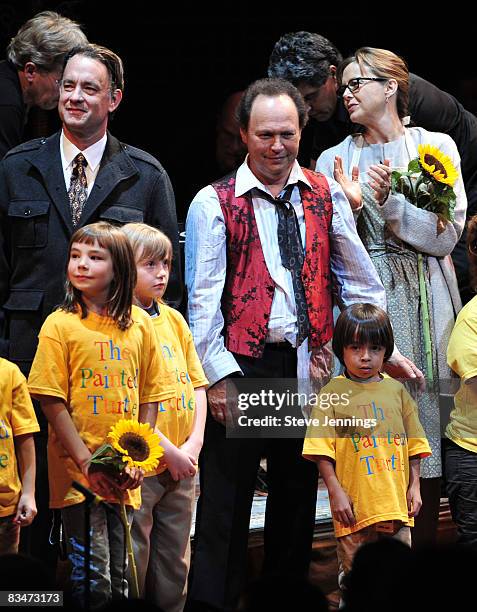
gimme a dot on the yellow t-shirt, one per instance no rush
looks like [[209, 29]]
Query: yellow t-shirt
[[371, 449], [17, 418], [103, 374], [184, 373], [462, 358]]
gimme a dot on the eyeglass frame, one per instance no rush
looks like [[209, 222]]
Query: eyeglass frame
[[355, 88]]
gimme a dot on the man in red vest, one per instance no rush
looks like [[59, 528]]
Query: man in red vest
[[266, 248]]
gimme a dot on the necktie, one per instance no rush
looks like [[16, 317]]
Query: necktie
[[78, 191], [292, 256]]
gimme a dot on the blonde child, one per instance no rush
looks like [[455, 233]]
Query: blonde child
[[17, 457], [161, 528], [96, 363], [367, 440]]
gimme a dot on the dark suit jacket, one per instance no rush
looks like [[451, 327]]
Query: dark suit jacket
[[35, 228], [12, 108]]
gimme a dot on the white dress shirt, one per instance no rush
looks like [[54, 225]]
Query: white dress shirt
[[282, 324], [92, 154], [355, 277]]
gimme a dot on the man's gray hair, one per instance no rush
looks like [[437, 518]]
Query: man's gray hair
[[45, 40]]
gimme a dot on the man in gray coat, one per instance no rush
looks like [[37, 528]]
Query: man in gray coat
[[51, 187]]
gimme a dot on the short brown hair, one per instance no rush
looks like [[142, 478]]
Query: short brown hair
[[109, 59], [363, 324], [120, 294], [385, 64], [271, 88]]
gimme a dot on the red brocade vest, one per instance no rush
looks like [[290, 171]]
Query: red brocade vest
[[249, 288]]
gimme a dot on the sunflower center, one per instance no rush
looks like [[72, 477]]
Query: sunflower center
[[135, 445], [432, 161]]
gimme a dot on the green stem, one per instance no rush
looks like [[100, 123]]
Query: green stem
[[129, 544], [425, 318]]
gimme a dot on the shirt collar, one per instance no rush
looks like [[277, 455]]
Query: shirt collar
[[246, 180], [93, 153]]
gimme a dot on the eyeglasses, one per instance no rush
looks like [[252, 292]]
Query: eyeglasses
[[354, 84]]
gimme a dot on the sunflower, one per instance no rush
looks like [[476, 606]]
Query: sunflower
[[437, 164], [137, 443]]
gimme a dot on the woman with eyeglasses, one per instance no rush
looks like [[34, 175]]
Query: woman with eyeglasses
[[374, 86]]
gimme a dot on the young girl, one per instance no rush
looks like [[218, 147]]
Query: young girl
[[461, 432], [96, 363], [17, 457], [369, 442], [161, 528]]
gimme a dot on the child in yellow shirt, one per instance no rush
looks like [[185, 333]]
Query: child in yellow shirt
[[161, 528], [17, 457], [366, 438], [461, 432], [96, 363]]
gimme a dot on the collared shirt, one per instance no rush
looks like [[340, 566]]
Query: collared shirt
[[282, 323], [354, 275], [93, 156]]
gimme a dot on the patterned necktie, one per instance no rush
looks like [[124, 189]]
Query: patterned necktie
[[78, 191], [292, 256]]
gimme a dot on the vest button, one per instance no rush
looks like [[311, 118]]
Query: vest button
[[27, 212]]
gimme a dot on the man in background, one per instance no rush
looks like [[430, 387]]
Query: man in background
[[30, 75]]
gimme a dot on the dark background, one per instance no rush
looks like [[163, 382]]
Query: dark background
[[181, 66]]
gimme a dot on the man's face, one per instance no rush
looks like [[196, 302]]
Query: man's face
[[229, 148], [272, 137], [86, 98], [320, 101], [43, 87]]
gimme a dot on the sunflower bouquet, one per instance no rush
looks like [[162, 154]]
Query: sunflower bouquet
[[129, 444], [428, 184]]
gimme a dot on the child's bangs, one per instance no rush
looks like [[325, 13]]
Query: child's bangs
[[368, 332], [154, 248], [148, 243], [91, 234]]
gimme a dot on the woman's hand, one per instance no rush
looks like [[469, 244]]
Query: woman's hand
[[380, 175], [350, 187]]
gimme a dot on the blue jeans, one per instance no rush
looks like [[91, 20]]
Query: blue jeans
[[108, 557], [461, 477]]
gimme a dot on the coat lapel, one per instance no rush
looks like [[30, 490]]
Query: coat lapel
[[47, 160], [116, 166]]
